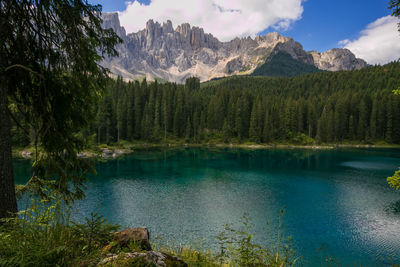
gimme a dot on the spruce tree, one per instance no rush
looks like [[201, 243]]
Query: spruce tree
[[49, 69]]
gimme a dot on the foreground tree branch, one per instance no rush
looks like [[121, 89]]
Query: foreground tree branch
[[49, 70]]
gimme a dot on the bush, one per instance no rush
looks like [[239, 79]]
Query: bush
[[303, 139]]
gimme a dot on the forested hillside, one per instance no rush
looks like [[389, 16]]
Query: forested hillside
[[283, 65], [325, 107]]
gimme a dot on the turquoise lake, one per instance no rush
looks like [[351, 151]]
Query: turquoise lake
[[337, 203]]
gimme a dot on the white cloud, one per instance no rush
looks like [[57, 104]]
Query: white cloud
[[344, 42], [225, 19], [379, 42]]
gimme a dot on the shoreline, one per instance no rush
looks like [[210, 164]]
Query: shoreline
[[105, 152]]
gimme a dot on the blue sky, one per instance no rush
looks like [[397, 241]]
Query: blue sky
[[316, 24], [325, 22]]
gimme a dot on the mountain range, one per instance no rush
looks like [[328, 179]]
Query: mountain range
[[161, 52]]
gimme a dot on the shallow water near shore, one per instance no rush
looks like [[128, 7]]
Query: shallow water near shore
[[337, 203]]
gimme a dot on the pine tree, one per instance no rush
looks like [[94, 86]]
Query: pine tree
[[226, 131], [138, 108], [373, 120], [322, 130], [362, 121], [389, 121], [341, 118], [188, 131], [268, 128], [130, 120], [239, 123], [351, 132], [255, 127], [157, 123], [177, 121]]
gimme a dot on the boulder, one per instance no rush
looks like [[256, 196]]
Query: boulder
[[26, 154], [117, 153], [148, 258], [132, 235], [107, 153]]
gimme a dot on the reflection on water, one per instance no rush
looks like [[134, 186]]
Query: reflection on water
[[338, 204], [371, 165], [394, 208]]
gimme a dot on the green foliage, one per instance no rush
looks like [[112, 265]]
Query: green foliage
[[394, 181], [44, 235], [94, 233], [282, 64], [303, 139], [50, 69], [122, 261], [394, 5], [238, 248]]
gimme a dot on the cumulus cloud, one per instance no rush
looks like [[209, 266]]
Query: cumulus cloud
[[379, 42], [225, 19]]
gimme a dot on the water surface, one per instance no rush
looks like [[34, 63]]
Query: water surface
[[337, 202]]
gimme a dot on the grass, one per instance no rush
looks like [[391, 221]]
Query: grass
[[45, 235], [236, 247]]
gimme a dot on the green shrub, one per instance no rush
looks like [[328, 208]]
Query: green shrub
[[303, 139]]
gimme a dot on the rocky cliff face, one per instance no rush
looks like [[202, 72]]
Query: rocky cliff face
[[337, 59], [160, 51]]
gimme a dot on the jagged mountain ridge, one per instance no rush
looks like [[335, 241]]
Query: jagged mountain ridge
[[160, 51]]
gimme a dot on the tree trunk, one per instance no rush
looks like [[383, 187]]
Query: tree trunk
[[8, 202]]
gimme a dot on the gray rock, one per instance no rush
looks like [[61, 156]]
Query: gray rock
[[148, 258], [337, 59], [26, 154], [106, 153], [139, 235], [173, 55]]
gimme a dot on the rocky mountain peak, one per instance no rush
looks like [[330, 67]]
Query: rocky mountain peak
[[111, 20], [167, 27], [160, 51], [337, 59]]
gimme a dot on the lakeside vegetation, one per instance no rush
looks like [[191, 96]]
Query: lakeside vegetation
[[45, 235]]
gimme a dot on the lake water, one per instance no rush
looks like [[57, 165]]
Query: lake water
[[337, 203]]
